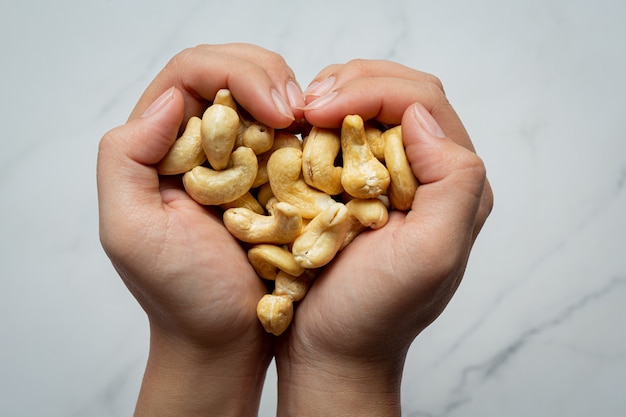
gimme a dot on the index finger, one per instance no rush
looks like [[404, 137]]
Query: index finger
[[385, 99], [259, 85]]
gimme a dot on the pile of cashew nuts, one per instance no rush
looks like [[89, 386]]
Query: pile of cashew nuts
[[293, 203]]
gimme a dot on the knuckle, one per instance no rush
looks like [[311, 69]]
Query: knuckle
[[434, 81], [276, 59], [359, 65], [473, 165], [107, 140], [472, 173], [183, 56]]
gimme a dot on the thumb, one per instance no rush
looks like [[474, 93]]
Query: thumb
[[147, 138], [126, 155], [451, 179]]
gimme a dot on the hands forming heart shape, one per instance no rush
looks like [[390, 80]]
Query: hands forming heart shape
[[193, 278]]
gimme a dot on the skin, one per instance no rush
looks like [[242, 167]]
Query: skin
[[208, 352], [420, 255]]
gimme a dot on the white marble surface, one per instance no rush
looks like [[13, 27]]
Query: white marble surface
[[538, 326]]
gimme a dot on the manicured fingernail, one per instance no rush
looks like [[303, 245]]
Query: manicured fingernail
[[159, 103], [321, 102], [281, 105], [320, 88], [427, 121], [294, 95]]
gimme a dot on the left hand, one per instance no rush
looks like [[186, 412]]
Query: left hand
[[191, 277]]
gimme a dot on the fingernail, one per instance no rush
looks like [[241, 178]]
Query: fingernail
[[294, 95], [159, 103], [320, 88], [427, 121], [321, 102], [281, 105]]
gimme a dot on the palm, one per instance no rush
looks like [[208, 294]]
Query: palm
[[378, 272], [205, 282]]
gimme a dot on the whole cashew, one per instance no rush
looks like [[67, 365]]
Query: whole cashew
[[210, 187], [186, 153], [355, 228], [281, 140], [375, 141], [403, 184], [275, 312], [264, 194], [292, 286], [257, 136], [370, 213], [319, 150], [363, 175], [268, 259], [322, 238], [261, 176], [284, 169], [245, 201], [220, 125], [281, 227], [225, 98]]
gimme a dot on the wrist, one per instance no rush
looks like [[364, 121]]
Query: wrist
[[186, 380], [339, 388]]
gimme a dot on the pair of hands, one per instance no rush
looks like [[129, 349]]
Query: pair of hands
[[345, 350]]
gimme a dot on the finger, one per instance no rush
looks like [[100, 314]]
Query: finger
[[275, 66], [385, 100], [452, 182], [273, 63], [126, 177], [336, 75], [382, 90], [260, 85], [485, 208]]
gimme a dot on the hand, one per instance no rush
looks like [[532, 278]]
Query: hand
[[344, 352], [193, 279]]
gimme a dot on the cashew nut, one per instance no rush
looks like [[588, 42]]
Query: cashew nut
[[210, 187], [225, 98], [288, 198], [375, 141], [264, 194], [370, 213], [268, 259], [220, 124], [283, 139], [284, 169], [275, 312], [319, 151], [258, 136], [281, 227], [403, 184], [245, 201], [261, 175], [186, 153], [363, 176], [270, 204], [364, 214], [321, 239], [292, 286], [355, 228]]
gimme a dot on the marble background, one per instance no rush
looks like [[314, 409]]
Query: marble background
[[538, 326]]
